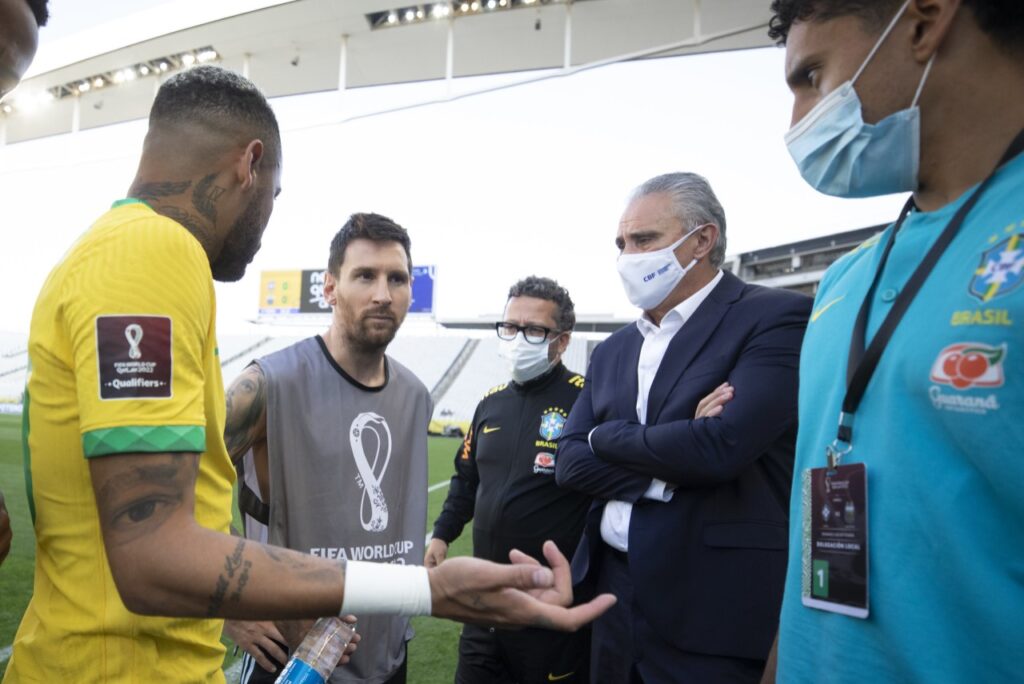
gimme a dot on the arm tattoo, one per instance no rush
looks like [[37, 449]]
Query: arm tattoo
[[139, 499], [246, 411], [205, 196], [235, 564]]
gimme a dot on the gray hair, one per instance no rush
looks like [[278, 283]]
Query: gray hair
[[693, 202], [548, 289]]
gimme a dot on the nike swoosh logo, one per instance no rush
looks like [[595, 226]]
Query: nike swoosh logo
[[489, 430], [817, 314], [555, 678]]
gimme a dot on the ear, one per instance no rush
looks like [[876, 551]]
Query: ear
[[933, 20], [330, 289], [248, 166], [563, 342], [707, 238]]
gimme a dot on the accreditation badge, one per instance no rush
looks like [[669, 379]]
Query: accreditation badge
[[835, 539]]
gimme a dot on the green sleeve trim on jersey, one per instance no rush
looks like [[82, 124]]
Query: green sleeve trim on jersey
[[126, 201], [145, 438]]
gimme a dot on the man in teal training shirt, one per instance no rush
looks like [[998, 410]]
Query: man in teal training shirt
[[906, 559]]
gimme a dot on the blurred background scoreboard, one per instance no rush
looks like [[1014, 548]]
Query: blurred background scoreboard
[[302, 292]]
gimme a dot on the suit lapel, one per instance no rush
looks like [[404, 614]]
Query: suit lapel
[[690, 339], [626, 373]]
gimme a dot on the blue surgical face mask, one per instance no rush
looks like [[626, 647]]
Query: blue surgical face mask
[[838, 154]]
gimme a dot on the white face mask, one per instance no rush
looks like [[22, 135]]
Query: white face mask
[[649, 277], [525, 361]]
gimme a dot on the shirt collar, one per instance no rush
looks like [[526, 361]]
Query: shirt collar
[[679, 314]]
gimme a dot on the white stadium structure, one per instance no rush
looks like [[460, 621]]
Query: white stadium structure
[[324, 47]]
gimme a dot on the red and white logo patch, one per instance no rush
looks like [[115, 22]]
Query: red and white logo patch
[[970, 364], [544, 463]]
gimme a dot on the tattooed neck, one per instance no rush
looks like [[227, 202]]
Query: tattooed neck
[[197, 213]]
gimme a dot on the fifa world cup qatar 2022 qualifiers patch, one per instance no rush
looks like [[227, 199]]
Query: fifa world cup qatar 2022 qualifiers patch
[[134, 355]]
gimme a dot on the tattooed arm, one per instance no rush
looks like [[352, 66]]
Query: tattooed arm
[[246, 422], [164, 563]]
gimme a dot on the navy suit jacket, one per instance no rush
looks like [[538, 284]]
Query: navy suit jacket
[[707, 566]]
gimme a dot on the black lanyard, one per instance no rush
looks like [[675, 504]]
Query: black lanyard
[[862, 362]]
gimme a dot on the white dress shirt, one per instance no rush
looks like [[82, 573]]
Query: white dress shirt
[[615, 519]]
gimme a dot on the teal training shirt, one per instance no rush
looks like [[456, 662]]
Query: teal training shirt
[[941, 431]]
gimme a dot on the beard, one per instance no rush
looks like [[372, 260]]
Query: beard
[[240, 246], [370, 333]]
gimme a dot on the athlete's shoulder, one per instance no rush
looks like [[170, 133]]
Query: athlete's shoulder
[[574, 379], [405, 378], [497, 389]]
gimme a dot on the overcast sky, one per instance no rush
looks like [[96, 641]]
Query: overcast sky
[[493, 187]]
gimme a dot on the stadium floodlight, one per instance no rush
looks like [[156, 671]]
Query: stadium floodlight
[[126, 74], [413, 14]]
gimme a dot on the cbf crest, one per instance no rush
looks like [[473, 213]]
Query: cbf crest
[[552, 423], [1001, 270]]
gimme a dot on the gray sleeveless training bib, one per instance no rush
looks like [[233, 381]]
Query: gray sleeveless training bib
[[348, 477]]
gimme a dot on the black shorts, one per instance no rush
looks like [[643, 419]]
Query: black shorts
[[252, 673], [528, 656]]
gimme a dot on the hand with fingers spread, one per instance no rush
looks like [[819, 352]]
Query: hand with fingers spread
[[713, 404], [523, 594]]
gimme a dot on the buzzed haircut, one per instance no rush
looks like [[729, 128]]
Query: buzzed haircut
[[218, 99], [366, 227], [40, 10], [548, 290], [1003, 20]]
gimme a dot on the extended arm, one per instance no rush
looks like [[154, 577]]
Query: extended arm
[[576, 466], [705, 451], [164, 563]]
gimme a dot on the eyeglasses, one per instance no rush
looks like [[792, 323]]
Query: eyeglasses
[[534, 334]]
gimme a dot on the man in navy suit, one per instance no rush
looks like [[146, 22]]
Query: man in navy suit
[[684, 435]]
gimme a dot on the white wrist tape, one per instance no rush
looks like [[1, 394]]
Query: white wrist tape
[[385, 589]]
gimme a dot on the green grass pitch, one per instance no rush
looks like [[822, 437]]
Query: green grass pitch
[[432, 654]]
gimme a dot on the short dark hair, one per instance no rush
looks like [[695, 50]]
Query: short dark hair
[[367, 227], [218, 99], [1001, 19], [548, 290], [40, 10]]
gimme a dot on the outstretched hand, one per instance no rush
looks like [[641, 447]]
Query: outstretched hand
[[523, 594]]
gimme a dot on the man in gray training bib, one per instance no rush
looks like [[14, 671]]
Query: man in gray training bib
[[330, 436]]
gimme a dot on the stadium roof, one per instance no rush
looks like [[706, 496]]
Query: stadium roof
[[110, 73]]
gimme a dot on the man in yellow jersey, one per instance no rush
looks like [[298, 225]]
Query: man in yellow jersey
[[20, 21], [129, 480]]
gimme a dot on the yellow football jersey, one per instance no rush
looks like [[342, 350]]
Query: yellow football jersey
[[124, 359]]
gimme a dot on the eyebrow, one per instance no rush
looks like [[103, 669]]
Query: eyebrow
[[797, 74]]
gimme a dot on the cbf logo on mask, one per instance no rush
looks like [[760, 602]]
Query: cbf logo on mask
[[649, 277]]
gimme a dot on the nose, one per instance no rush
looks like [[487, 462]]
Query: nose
[[382, 293]]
